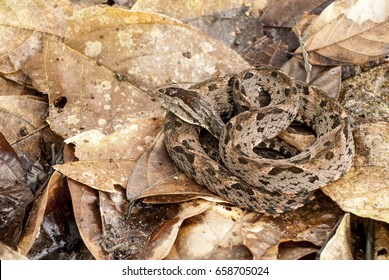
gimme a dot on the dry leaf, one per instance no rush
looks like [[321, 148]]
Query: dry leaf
[[364, 191], [107, 160], [237, 28], [35, 219], [284, 13], [15, 196], [215, 234], [87, 215], [192, 8], [6, 253], [21, 119], [267, 52], [102, 175], [8, 87], [144, 48], [263, 235], [21, 26], [127, 143], [84, 95], [149, 233], [156, 178], [381, 241], [349, 32], [92, 77], [327, 79], [162, 241], [339, 246], [153, 166], [367, 94]]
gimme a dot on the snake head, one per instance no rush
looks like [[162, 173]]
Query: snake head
[[191, 107]]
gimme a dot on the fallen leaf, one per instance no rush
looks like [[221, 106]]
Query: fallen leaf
[[105, 161], [15, 197], [6, 253], [22, 122], [160, 60], [364, 191], [264, 235], [215, 234], [8, 87], [266, 52], [84, 95], [127, 143], [102, 175], [87, 215], [189, 9], [327, 79], [352, 32], [339, 246], [35, 219], [381, 241], [162, 240], [237, 27], [285, 13], [155, 178], [21, 26], [366, 95], [93, 78], [57, 237]]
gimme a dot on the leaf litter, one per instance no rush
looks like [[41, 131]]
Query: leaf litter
[[99, 79]]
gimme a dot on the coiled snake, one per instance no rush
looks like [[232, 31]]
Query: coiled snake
[[244, 112]]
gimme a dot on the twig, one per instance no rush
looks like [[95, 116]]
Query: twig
[[307, 65], [369, 254]]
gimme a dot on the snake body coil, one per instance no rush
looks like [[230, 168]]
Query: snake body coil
[[245, 111]]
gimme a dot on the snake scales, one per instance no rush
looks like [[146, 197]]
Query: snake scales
[[245, 111]]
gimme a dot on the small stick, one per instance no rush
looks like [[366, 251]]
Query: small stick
[[369, 254]]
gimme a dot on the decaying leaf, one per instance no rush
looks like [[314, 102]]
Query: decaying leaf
[[266, 51], [381, 241], [237, 28], [87, 215], [36, 216], [366, 95], [364, 191], [126, 143], [162, 240], [215, 234], [21, 121], [189, 9], [156, 179], [338, 247], [263, 235], [8, 87], [15, 195], [284, 13], [93, 78], [102, 175], [150, 230], [57, 233], [327, 79], [21, 26], [349, 32], [105, 161], [6, 253]]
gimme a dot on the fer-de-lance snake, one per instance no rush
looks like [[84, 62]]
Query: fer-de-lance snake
[[245, 111]]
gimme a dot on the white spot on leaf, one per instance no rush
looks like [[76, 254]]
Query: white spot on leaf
[[101, 122], [93, 49]]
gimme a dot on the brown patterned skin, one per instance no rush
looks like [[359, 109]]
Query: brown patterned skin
[[262, 102]]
